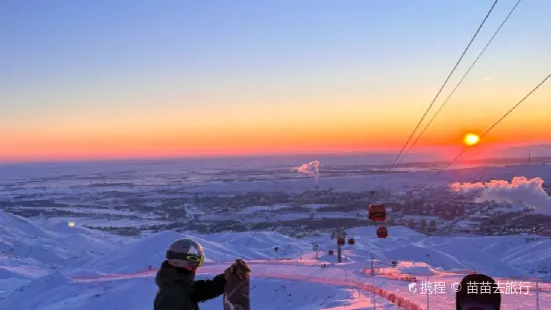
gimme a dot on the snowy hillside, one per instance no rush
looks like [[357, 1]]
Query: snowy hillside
[[117, 275], [59, 244]]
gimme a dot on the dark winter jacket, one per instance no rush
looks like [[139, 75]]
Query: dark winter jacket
[[178, 289]]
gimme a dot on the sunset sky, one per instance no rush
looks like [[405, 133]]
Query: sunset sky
[[106, 79]]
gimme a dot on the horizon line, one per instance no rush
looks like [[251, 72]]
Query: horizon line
[[196, 157], [244, 156]]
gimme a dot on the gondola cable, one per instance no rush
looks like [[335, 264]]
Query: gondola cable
[[392, 166], [460, 81], [490, 128]]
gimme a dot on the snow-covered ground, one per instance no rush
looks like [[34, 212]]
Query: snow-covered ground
[[47, 264], [62, 267]]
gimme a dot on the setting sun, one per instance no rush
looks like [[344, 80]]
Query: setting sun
[[471, 139]]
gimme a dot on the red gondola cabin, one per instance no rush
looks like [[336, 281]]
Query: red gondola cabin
[[382, 232], [330, 253], [341, 241], [351, 241], [377, 213]]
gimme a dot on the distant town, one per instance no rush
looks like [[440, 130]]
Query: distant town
[[430, 211]]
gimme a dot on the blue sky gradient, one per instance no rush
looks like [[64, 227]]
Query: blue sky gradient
[[71, 60]]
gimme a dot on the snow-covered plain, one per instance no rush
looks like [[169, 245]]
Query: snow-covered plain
[[47, 264]]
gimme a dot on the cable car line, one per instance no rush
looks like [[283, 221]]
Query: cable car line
[[461, 81], [491, 127], [441, 88]]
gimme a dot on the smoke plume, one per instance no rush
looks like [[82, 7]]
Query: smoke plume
[[311, 169], [519, 191]]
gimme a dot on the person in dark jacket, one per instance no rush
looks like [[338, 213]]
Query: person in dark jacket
[[478, 292], [177, 287]]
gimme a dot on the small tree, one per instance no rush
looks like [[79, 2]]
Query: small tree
[[423, 224], [432, 225], [411, 223]]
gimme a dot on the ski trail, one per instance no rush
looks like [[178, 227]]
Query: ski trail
[[396, 299], [279, 271]]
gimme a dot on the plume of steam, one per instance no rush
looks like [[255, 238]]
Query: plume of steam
[[520, 190], [311, 169]]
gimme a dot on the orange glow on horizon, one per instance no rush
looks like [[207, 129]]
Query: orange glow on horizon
[[139, 151], [227, 140]]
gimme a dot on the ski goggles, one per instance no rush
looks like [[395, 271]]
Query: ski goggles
[[195, 259]]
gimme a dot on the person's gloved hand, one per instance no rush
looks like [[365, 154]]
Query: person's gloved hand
[[240, 268]]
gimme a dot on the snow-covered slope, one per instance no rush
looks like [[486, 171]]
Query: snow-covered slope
[[29, 251], [59, 244], [54, 292], [141, 253], [118, 277]]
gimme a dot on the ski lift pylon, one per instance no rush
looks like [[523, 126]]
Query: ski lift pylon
[[377, 212], [382, 232]]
